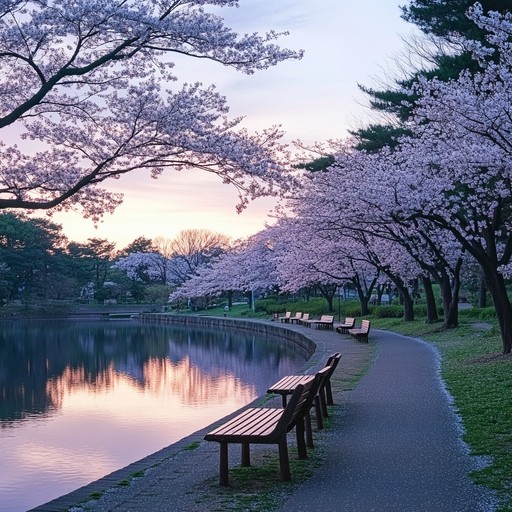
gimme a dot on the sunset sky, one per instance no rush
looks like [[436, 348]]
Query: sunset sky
[[313, 99]]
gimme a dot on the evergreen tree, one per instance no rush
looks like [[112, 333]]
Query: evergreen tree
[[447, 21]]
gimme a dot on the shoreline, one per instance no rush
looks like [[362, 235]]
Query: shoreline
[[289, 334]]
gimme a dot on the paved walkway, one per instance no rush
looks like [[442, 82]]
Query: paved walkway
[[395, 446]]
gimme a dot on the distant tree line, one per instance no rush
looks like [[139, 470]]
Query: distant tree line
[[38, 262]]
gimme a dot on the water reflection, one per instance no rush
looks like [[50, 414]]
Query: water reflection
[[81, 400]]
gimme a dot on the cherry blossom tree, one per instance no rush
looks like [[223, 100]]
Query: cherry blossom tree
[[144, 267], [247, 266], [86, 97], [346, 211], [305, 261], [456, 169]]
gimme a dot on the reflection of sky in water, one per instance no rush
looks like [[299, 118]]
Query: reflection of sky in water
[[87, 400]]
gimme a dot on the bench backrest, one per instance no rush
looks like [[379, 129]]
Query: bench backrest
[[298, 315], [293, 406], [350, 321], [305, 316], [365, 324], [327, 318], [308, 395], [332, 361]]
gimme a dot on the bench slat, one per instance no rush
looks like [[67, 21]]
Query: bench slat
[[288, 384], [324, 321], [251, 422]]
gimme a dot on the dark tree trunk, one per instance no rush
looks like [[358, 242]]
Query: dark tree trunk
[[450, 305], [380, 292], [450, 289], [408, 307], [482, 293], [405, 298], [363, 302], [496, 286], [430, 299], [328, 292], [363, 296]]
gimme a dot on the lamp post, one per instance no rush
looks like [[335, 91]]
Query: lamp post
[[339, 304]]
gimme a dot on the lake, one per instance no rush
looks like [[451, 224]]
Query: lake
[[79, 400]]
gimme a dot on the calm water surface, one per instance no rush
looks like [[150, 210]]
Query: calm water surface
[[80, 400]]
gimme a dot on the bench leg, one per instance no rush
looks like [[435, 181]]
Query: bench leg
[[246, 454], [328, 393], [309, 431], [323, 404], [284, 462], [223, 465], [301, 443], [318, 414]]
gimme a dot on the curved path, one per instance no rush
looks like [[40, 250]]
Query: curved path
[[395, 446]]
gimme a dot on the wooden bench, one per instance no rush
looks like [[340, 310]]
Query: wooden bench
[[361, 334], [265, 425], [349, 323], [304, 319], [286, 317], [286, 386], [325, 322], [296, 318]]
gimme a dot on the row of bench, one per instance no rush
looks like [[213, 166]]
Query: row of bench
[[267, 425], [327, 322]]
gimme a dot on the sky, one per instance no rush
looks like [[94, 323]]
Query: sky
[[346, 43]]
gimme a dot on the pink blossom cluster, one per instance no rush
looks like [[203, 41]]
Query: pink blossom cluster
[[88, 94]]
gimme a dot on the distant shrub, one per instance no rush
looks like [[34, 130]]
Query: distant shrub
[[387, 311], [479, 313], [266, 306], [487, 313], [351, 309], [315, 307]]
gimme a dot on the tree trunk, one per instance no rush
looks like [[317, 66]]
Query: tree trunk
[[380, 292], [482, 293], [408, 307], [363, 296], [450, 294], [432, 315], [450, 305], [405, 298], [328, 292], [496, 286]]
